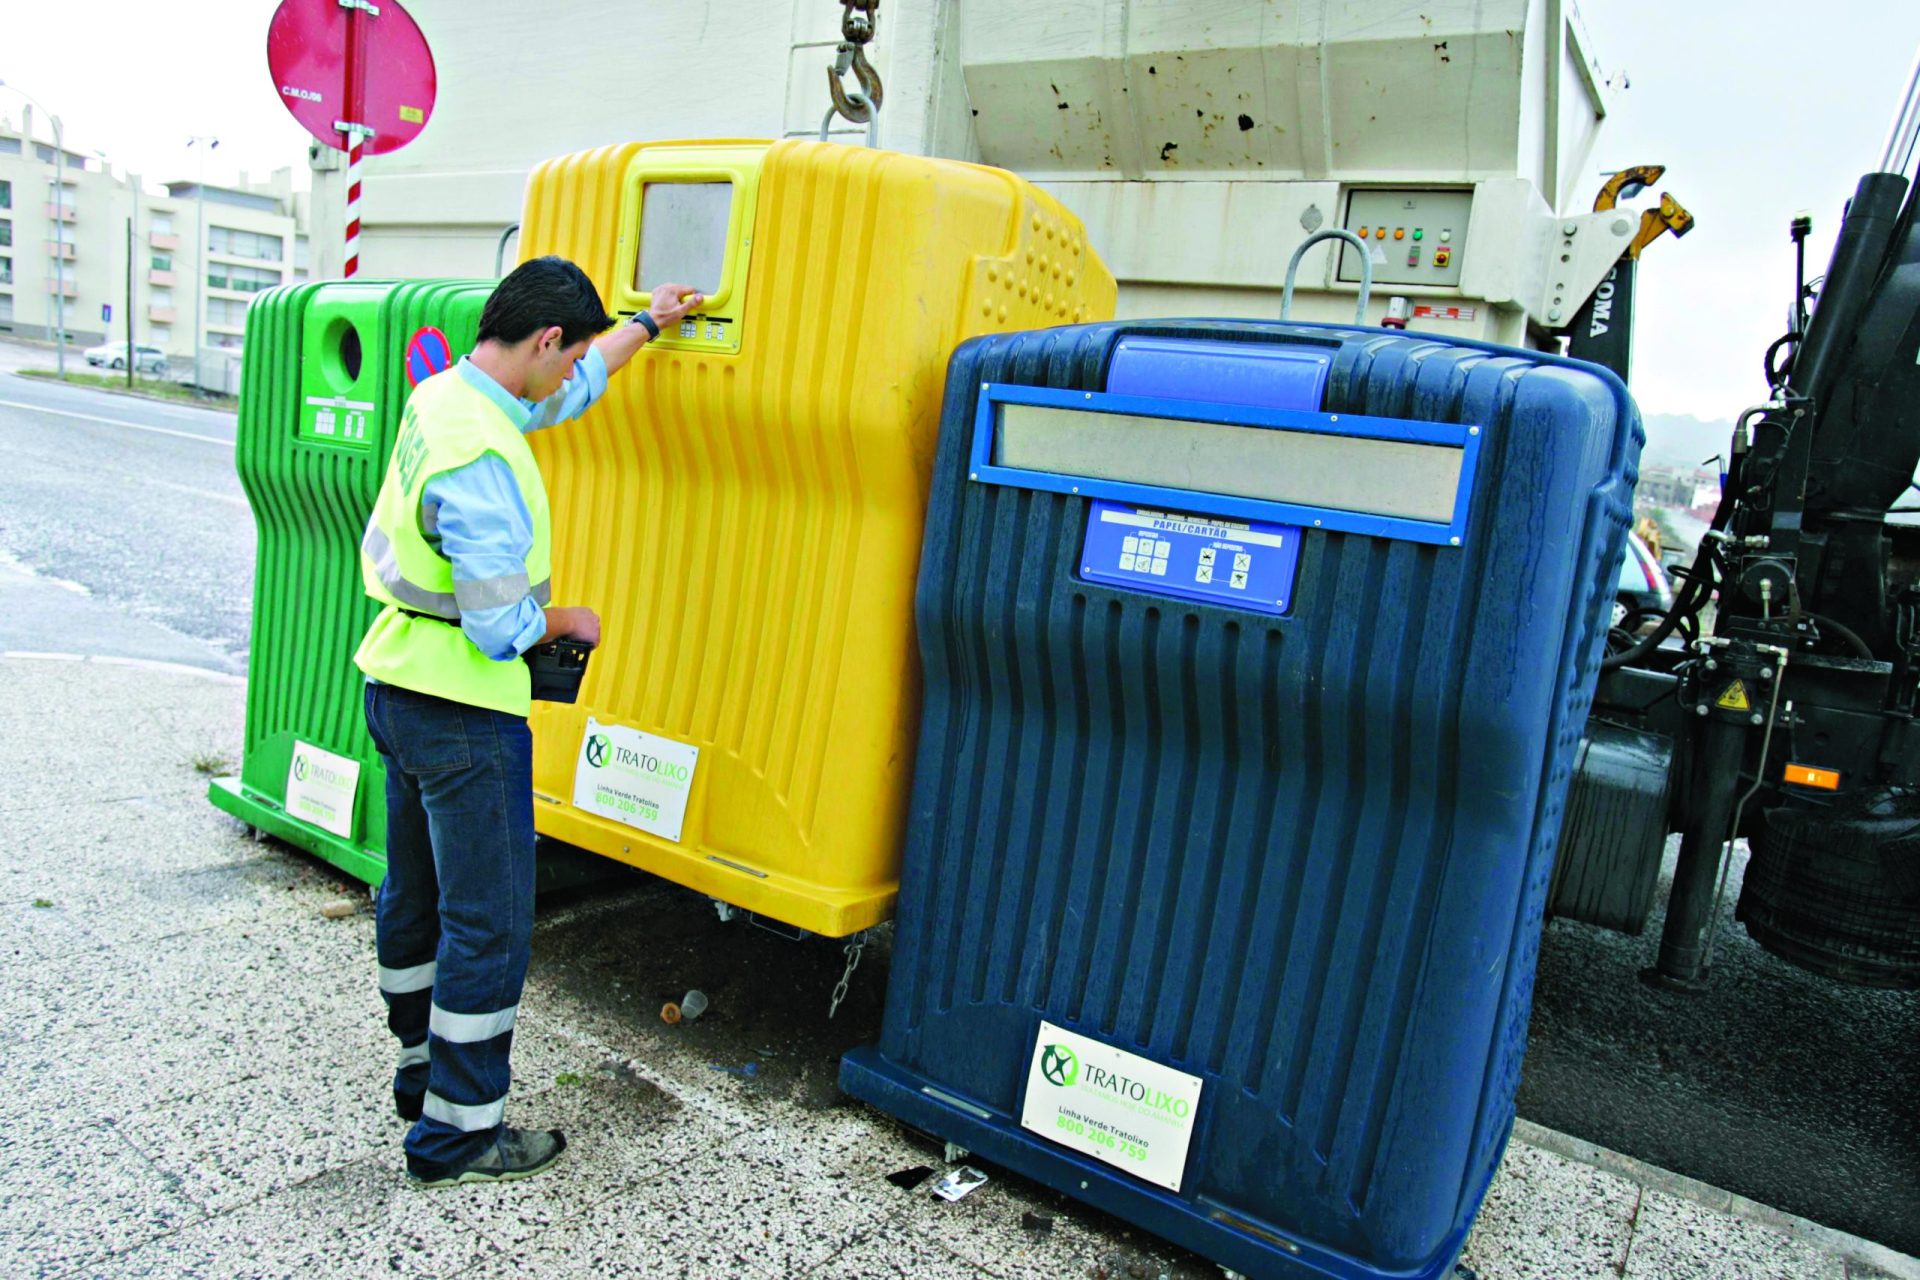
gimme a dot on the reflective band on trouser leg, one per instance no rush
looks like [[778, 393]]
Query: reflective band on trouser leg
[[400, 982], [490, 593], [485, 1115], [379, 548], [414, 1055], [471, 1028]]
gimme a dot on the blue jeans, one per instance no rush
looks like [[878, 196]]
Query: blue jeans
[[455, 920]]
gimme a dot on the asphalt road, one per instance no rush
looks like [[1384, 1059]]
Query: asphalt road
[[123, 528], [123, 531], [1774, 1084]]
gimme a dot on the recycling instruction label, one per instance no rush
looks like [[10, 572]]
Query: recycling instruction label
[[637, 778], [320, 787], [1118, 1107]]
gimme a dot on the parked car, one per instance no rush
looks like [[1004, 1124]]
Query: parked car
[[113, 355], [1642, 589]]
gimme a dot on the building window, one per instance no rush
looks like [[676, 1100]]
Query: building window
[[225, 341], [245, 244], [160, 222], [6, 306], [6, 194], [6, 232], [227, 313], [6, 270], [240, 279], [160, 297], [163, 262], [302, 253], [158, 335]]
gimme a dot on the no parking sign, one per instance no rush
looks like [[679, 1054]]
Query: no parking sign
[[428, 352]]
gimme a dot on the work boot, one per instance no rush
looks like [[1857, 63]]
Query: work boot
[[516, 1153]]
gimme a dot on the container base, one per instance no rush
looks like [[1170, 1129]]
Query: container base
[[1256, 1250]]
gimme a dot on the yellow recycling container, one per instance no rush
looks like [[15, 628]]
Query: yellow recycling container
[[745, 505]]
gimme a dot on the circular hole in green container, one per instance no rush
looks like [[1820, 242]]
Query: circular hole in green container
[[340, 354], [350, 352]]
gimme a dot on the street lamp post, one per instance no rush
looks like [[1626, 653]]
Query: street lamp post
[[59, 232], [202, 241]]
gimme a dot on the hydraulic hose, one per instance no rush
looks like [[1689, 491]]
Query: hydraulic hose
[[1850, 636], [1700, 580]]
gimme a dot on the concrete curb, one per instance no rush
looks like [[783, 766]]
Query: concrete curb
[[226, 404], [1852, 1248]]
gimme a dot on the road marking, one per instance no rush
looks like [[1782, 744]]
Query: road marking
[[189, 490], [115, 422]]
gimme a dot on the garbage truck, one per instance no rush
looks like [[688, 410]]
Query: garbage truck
[[1787, 719]]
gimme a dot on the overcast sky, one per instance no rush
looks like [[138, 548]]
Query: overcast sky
[[1757, 107]]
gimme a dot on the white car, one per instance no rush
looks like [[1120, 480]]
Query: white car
[[113, 355]]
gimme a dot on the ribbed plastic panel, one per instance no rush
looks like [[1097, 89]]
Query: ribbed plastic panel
[[310, 501], [1304, 858], [749, 524]]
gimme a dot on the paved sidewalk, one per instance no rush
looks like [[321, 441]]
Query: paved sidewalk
[[195, 1066]]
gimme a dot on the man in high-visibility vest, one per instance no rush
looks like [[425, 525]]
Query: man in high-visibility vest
[[458, 552]]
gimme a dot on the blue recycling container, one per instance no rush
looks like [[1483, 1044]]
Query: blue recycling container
[[1256, 657]]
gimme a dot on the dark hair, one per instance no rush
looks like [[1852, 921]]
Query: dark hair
[[539, 294]]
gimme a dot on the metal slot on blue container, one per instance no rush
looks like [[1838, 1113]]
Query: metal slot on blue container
[[1353, 473]]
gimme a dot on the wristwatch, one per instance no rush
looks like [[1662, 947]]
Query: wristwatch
[[646, 322]]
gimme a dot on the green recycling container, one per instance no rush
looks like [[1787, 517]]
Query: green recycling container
[[324, 380]]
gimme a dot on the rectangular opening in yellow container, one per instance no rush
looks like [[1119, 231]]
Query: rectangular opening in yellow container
[[686, 217]]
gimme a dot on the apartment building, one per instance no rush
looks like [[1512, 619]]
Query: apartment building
[[40, 223], [198, 254], [209, 250]]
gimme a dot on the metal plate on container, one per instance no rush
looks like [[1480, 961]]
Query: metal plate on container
[[1241, 564]]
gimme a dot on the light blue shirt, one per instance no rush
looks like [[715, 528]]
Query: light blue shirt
[[484, 527]]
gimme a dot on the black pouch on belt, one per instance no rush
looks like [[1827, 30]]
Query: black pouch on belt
[[558, 667]]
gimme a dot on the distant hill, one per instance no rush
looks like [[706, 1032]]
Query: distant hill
[[1681, 440]]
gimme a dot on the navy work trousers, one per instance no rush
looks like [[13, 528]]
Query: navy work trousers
[[455, 919]]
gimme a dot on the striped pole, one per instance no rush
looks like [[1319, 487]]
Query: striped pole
[[355, 142]]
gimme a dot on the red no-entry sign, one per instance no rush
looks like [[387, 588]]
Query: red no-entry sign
[[357, 75], [352, 62]]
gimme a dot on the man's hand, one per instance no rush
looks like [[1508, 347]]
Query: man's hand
[[671, 302], [572, 622]]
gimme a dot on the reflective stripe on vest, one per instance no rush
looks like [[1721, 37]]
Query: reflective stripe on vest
[[483, 593]]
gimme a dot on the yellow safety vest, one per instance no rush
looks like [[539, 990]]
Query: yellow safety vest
[[447, 425]]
